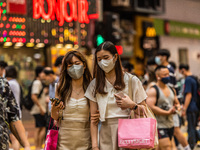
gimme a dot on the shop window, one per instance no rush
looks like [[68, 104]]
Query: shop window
[[183, 56]]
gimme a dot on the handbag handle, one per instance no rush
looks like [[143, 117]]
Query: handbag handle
[[130, 94], [53, 124], [144, 113]]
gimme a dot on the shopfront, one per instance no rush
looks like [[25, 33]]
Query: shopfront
[[182, 39], [35, 32], [146, 42]]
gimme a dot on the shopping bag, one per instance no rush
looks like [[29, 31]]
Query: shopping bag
[[51, 138], [136, 133], [149, 113]]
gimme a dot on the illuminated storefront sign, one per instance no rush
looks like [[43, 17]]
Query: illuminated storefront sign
[[16, 7], [150, 32], [58, 9], [49, 22]]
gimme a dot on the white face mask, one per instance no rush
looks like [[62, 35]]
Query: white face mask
[[76, 71], [106, 65], [157, 60]]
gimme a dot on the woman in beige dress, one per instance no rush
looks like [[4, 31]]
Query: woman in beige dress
[[102, 93], [74, 132]]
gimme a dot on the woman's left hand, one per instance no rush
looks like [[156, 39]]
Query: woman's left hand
[[95, 118], [124, 102]]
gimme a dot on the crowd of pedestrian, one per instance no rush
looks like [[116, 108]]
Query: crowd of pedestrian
[[88, 103], [163, 90]]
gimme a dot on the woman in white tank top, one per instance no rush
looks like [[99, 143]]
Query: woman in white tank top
[[74, 132]]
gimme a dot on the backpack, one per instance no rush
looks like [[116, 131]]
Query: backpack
[[158, 93], [198, 91], [27, 101]]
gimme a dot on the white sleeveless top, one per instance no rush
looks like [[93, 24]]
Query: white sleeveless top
[[76, 110]]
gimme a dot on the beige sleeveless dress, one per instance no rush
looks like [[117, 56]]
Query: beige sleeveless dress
[[74, 132]]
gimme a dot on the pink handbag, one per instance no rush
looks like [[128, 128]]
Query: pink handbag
[[51, 139], [136, 133]]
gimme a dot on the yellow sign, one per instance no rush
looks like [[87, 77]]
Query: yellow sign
[[150, 32]]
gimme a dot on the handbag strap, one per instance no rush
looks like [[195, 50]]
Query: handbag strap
[[144, 112], [51, 119], [130, 86], [130, 94]]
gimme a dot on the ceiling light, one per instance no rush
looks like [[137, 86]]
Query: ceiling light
[[40, 45], [68, 46], [76, 46], [30, 45], [58, 46], [19, 44], [7, 44]]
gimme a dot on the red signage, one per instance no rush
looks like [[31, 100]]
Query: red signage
[[119, 49], [16, 7], [58, 9]]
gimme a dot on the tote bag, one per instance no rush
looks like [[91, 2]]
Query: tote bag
[[136, 133], [52, 138], [149, 112]]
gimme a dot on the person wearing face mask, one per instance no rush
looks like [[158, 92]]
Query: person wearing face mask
[[51, 79], [109, 79], [58, 64], [163, 101], [190, 108], [150, 76], [74, 131], [162, 58]]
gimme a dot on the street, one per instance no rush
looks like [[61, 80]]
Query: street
[[29, 124]]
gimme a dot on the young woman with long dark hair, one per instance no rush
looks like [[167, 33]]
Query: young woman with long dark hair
[[74, 132], [102, 93]]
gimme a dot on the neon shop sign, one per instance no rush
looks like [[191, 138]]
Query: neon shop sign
[[58, 9]]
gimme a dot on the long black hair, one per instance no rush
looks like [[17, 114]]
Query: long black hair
[[64, 89], [99, 73]]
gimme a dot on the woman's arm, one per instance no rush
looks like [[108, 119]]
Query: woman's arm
[[93, 127]]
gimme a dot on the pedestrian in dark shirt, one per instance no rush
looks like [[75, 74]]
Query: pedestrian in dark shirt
[[52, 79], [9, 117], [162, 58], [190, 108]]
